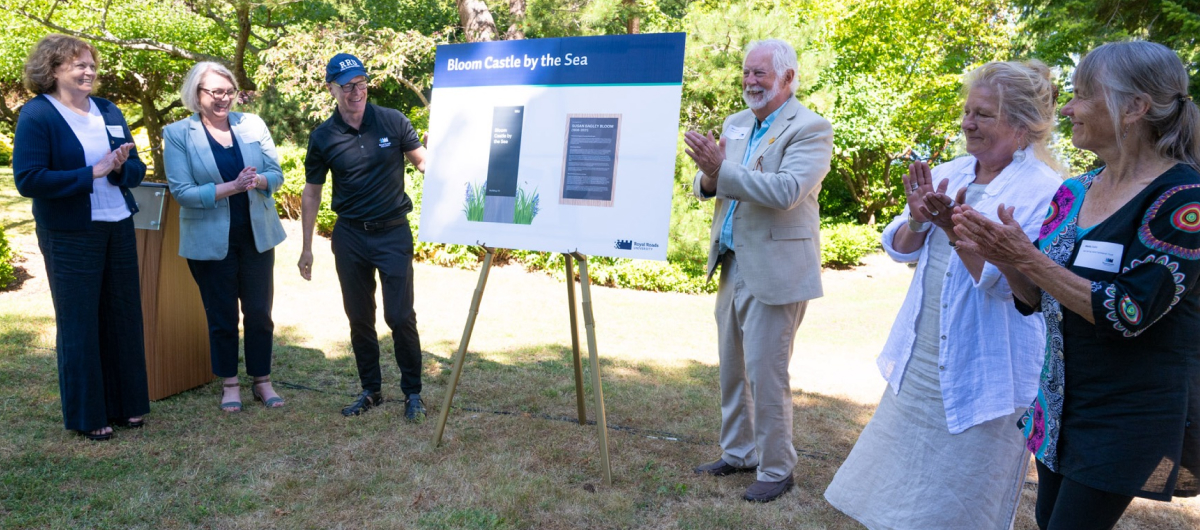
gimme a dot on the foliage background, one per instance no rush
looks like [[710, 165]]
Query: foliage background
[[886, 73]]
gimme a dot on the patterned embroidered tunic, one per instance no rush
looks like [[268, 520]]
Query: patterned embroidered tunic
[[1119, 400]]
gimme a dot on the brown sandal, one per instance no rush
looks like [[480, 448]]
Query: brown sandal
[[231, 406], [271, 403]]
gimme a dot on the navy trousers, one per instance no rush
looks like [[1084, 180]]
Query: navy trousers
[[246, 276], [94, 282], [358, 254]]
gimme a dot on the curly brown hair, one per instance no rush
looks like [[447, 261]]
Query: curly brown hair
[[47, 55]]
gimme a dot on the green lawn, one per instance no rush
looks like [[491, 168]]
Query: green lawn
[[511, 457]]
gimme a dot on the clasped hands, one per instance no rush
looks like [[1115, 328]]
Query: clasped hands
[[708, 153], [246, 180], [111, 161]]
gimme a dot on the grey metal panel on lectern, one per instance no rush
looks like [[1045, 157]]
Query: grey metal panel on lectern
[[150, 198]]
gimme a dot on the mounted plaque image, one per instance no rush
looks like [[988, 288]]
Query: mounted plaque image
[[504, 159], [590, 159]]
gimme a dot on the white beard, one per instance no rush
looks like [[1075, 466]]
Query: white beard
[[758, 101]]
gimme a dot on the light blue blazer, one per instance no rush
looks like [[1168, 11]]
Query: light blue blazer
[[193, 177]]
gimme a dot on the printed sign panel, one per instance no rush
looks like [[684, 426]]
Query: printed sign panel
[[556, 145]]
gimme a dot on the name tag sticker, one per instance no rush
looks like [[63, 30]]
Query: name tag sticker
[[247, 139], [115, 131], [1099, 255], [736, 133]]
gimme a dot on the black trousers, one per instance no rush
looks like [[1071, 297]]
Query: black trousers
[[358, 254], [94, 283], [1063, 504], [245, 276]]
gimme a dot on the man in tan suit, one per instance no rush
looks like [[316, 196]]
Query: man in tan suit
[[765, 173]]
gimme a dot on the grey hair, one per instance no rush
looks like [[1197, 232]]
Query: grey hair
[[783, 58], [1027, 98], [190, 92], [1122, 71]]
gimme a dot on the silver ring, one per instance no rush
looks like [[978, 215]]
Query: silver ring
[[934, 213], [914, 188]]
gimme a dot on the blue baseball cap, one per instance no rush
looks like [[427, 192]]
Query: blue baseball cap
[[343, 67]]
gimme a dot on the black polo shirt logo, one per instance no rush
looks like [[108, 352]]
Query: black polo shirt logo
[[384, 142]]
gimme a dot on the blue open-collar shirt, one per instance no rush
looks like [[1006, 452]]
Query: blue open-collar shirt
[[756, 135]]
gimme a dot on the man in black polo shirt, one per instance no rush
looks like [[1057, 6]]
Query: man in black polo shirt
[[365, 146]]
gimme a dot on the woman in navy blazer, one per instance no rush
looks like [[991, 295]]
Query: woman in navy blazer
[[74, 156], [223, 169]]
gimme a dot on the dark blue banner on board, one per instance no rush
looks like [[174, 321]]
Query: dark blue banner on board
[[610, 60]]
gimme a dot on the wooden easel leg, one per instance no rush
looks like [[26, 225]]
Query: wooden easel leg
[[462, 346], [578, 362], [597, 389]]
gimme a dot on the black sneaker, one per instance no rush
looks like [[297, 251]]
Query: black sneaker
[[414, 408], [365, 401]]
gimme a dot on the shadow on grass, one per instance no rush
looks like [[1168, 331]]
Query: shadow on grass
[[20, 333], [306, 466], [678, 400], [16, 224]]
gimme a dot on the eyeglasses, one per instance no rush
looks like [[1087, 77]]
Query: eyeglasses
[[220, 94], [351, 87]]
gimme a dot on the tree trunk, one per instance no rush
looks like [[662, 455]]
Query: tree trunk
[[516, 9], [243, 39], [632, 23], [477, 22], [152, 121]]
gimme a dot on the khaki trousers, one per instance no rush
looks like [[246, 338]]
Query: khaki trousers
[[755, 345]]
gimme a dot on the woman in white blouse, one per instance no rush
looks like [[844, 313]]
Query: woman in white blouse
[[73, 154], [942, 450]]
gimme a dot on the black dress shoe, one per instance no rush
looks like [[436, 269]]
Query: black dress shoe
[[365, 401], [721, 468], [764, 491], [414, 408]]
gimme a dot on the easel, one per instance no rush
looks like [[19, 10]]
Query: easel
[[590, 326]]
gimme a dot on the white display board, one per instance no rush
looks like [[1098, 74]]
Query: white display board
[[559, 145]]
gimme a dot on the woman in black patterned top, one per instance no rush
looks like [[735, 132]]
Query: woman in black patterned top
[[1114, 274]]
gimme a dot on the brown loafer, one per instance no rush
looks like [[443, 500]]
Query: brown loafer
[[763, 491], [721, 468]]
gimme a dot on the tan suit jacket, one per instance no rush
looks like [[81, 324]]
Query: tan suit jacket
[[776, 227]]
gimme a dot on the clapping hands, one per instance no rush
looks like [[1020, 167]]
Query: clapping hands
[[927, 203], [112, 161]]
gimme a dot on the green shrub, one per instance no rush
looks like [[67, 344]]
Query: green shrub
[[843, 245], [618, 272], [6, 149], [288, 198], [8, 273]]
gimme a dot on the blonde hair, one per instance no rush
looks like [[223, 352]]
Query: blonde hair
[[47, 55], [189, 93], [1122, 71], [1027, 99]]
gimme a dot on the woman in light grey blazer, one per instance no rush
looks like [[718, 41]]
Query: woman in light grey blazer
[[222, 168]]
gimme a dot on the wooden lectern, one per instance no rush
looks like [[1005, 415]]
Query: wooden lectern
[[175, 327]]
